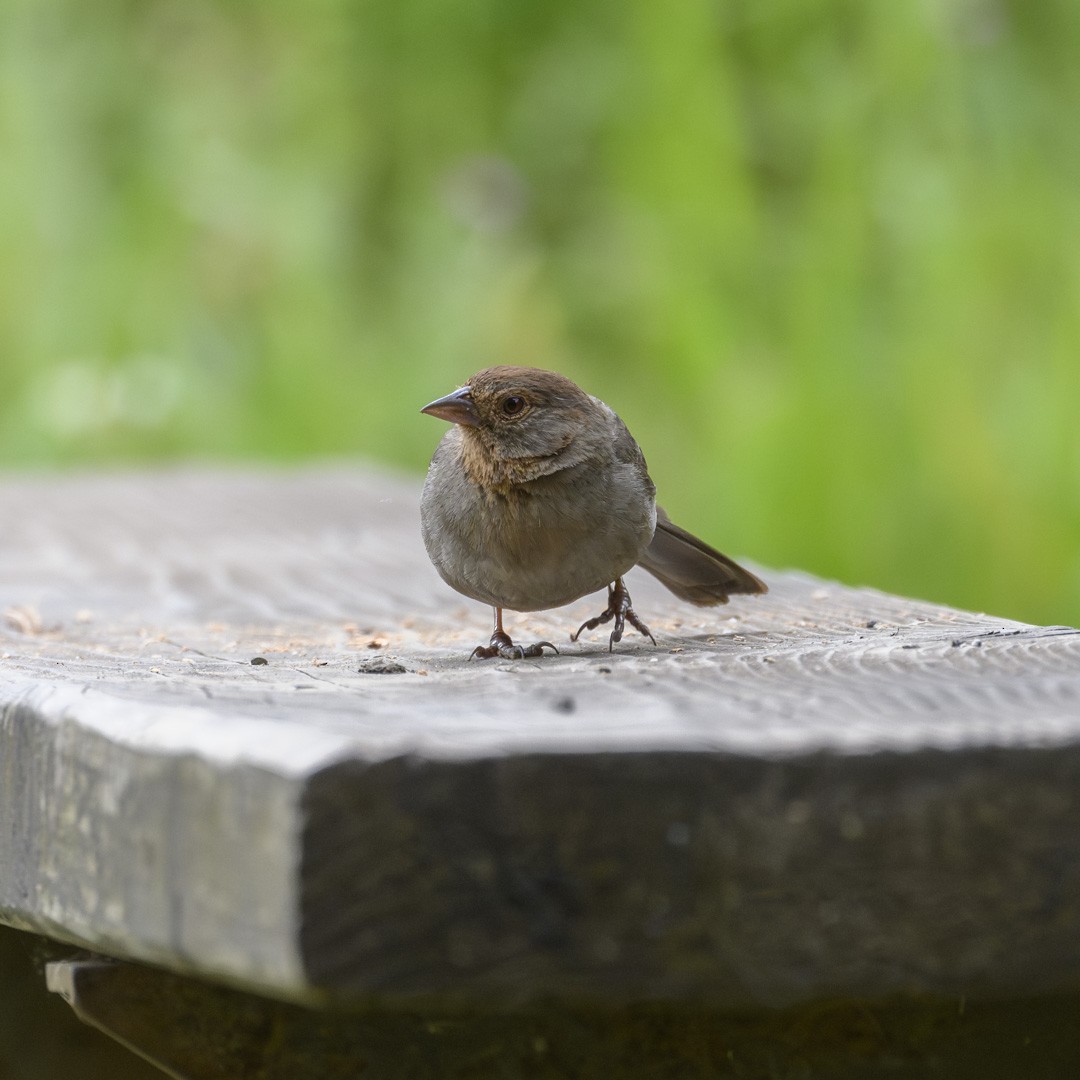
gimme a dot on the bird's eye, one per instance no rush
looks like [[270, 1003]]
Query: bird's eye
[[513, 404]]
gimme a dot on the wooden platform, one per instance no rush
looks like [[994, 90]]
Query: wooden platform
[[240, 740]]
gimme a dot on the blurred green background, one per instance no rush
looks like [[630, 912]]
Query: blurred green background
[[822, 255]]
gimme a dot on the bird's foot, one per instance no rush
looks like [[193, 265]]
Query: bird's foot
[[501, 646], [620, 610]]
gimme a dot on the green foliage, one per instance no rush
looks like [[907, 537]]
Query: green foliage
[[821, 255]]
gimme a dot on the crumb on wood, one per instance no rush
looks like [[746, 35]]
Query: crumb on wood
[[25, 618], [366, 638], [381, 665]]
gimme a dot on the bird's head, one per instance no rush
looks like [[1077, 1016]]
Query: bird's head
[[518, 412]]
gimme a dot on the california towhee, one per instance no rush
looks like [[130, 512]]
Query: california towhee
[[539, 495]]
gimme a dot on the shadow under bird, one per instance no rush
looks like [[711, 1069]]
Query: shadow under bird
[[539, 495]]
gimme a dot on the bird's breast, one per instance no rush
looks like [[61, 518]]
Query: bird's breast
[[536, 545]]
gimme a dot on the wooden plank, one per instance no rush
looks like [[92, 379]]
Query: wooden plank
[[824, 790], [196, 1031], [40, 1038]]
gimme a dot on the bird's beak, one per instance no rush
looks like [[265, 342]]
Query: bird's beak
[[457, 408]]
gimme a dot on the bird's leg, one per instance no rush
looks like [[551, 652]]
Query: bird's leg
[[619, 609], [501, 645]]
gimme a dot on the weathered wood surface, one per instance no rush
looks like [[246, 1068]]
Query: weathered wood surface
[[826, 790]]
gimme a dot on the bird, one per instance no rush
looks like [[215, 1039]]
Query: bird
[[538, 495]]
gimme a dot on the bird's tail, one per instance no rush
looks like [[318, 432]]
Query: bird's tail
[[691, 569]]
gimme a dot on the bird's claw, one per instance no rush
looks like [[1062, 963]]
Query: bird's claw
[[619, 609], [502, 647]]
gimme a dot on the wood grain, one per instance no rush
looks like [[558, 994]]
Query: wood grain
[[822, 790]]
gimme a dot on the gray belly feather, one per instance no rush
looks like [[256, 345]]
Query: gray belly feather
[[537, 547]]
